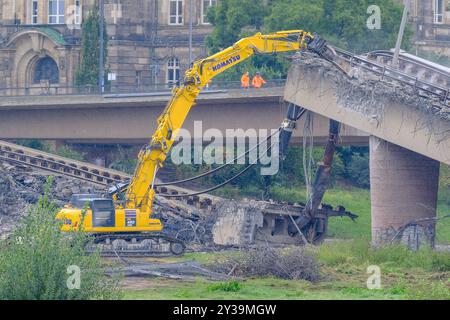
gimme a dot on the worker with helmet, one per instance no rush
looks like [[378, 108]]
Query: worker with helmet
[[245, 80], [258, 81]]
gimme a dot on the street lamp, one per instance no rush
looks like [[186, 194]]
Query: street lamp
[[101, 73], [190, 31], [401, 32]]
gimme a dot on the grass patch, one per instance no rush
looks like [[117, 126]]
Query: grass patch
[[359, 252], [230, 286], [404, 275]]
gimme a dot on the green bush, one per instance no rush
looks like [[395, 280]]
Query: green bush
[[358, 171], [426, 290], [68, 152], [230, 286], [39, 262], [123, 161], [34, 144]]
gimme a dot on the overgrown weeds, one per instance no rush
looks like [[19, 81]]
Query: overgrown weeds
[[39, 262], [360, 252]]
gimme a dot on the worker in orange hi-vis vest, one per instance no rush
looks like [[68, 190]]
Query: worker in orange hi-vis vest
[[258, 81], [245, 80]]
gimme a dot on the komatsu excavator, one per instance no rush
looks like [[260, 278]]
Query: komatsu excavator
[[122, 220]]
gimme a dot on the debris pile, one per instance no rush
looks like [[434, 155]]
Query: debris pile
[[292, 263], [20, 188], [369, 92]]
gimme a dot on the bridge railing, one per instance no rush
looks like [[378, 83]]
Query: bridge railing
[[57, 90]]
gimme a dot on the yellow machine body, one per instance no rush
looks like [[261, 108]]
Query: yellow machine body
[[125, 221]]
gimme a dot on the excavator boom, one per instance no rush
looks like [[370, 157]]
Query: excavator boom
[[140, 192]]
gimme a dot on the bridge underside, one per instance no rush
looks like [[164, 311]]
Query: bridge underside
[[407, 143], [132, 120]]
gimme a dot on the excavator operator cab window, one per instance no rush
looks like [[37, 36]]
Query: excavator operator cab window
[[80, 201], [103, 213]]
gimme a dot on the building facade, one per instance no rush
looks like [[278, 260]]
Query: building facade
[[431, 21], [40, 42]]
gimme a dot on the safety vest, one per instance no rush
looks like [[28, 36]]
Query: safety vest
[[245, 81], [258, 82]]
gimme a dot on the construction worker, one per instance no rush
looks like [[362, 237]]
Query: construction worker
[[258, 81], [245, 80]]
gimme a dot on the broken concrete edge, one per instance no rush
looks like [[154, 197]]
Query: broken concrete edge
[[363, 83]]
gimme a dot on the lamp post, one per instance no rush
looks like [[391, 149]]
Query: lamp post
[[401, 32], [101, 71], [190, 31]]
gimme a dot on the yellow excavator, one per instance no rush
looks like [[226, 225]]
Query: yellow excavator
[[124, 217]]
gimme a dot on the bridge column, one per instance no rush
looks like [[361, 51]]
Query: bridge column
[[404, 188]]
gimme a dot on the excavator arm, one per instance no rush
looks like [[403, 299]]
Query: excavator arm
[[140, 191]]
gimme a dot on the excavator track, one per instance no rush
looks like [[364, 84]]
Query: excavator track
[[136, 245]]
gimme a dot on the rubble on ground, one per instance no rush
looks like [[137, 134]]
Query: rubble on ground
[[262, 261], [20, 187]]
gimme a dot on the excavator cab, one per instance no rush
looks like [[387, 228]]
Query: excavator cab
[[103, 213]]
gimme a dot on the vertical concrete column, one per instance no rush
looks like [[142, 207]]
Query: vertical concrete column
[[404, 189]]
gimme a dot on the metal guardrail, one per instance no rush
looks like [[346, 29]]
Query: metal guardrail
[[422, 87], [418, 63], [56, 90]]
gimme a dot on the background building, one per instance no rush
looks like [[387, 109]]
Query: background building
[[148, 41], [431, 20]]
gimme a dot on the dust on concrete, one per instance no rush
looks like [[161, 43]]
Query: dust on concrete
[[369, 93]]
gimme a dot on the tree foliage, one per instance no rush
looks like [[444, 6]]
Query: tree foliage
[[36, 262], [88, 72], [342, 22]]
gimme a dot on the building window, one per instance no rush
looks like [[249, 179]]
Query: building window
[[46, 69], [77, 11], [173, 71], [176, 12], [439, 11], [56, 11], [34, 11], [138, 80], [205, 5]]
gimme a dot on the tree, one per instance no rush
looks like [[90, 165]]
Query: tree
[[233, 20], [87, 74], [39, 262], [342, 22]]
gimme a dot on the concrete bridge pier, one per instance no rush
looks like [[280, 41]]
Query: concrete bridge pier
[[404, 189]]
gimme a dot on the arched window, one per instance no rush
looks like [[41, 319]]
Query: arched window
[[46, 69], [173, 70]]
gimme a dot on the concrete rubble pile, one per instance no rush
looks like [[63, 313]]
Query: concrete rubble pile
[[369, 92], [20, 188]]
